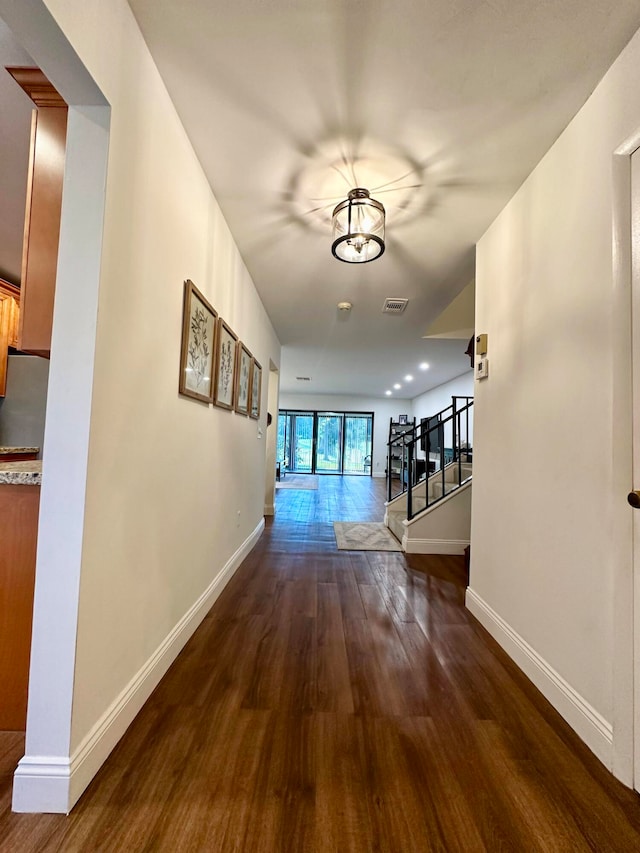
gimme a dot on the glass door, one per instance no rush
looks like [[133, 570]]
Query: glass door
[[295, 442], [325, 442], [329, 443], [357, 444]]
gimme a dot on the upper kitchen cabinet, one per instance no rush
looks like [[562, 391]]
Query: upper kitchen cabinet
[[9, 323], [10, 300], [42, 214]]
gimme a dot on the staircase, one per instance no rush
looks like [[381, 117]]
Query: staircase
[[432, 515]]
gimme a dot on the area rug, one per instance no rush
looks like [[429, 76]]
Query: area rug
[[298, 481], [364, 536]]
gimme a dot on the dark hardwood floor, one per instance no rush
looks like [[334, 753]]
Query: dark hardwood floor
[[339, 701]]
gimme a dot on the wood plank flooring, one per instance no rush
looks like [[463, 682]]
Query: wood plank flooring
[[339, 702]]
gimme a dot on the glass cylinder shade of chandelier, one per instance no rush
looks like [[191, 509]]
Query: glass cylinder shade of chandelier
[[358, 228]]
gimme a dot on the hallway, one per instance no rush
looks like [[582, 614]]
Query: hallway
[[339, 701]]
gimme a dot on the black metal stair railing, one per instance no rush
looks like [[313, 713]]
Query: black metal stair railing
[[446, 441]]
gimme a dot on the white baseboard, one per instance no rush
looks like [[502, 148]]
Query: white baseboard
[[53, 784], [591, 726], [434, 546], [269, 509], [379, 474]]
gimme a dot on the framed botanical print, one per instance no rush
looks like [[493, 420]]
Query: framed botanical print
[[243, 380], [198, 345], [226, 363], [256, 388]]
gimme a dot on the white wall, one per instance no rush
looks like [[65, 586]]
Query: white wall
[[383, 410], [434, 401], [543, 572], [174, 488]]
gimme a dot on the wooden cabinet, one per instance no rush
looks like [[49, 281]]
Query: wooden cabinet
[[10, 296], [19, 511], [9, 321], [42, 215]]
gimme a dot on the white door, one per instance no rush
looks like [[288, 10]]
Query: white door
[[635, 354]]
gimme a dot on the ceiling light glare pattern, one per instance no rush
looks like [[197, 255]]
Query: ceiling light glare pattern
[[358, 228], [408, 378], [397, 386], [325, 174], [388, 393], [424, 366]]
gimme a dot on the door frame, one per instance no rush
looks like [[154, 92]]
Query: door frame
[[625, 755], [47, 778]]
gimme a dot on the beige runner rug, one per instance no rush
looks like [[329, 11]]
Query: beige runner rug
[[364, 536], [298, 481]]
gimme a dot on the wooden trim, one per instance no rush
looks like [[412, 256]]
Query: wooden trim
[[9, 289], [17, 457], [42, 228], [33, 82]]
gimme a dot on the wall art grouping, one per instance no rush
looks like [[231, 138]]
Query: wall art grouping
[[215, 366]]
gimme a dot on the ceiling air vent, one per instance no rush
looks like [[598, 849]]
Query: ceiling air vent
[[393, 305], [303, 378]]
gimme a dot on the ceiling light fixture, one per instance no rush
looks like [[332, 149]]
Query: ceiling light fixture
[[424, 366], [388, 393], [358, 228], [408, 378], [397, 386]]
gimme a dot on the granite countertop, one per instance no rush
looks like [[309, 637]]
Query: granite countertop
[[21, 473], [6, 451]]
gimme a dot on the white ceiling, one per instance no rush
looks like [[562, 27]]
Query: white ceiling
[[440, 107]]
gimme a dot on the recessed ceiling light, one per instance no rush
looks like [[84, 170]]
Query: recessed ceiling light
[[408, 378], [397, 386], [388, 393], [424, 366]]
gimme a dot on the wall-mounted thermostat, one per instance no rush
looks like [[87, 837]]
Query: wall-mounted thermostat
[[481, 344], [482, 368]]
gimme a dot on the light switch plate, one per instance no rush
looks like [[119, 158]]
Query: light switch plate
[[482, 368]]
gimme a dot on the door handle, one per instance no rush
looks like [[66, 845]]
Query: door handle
[[634, 499]]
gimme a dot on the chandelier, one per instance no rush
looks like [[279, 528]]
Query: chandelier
[[358, 228]]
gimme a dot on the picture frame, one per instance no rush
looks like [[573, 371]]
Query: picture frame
[[243, 380], [226, 366], [403, 419], [197, 351], [256, 389]]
